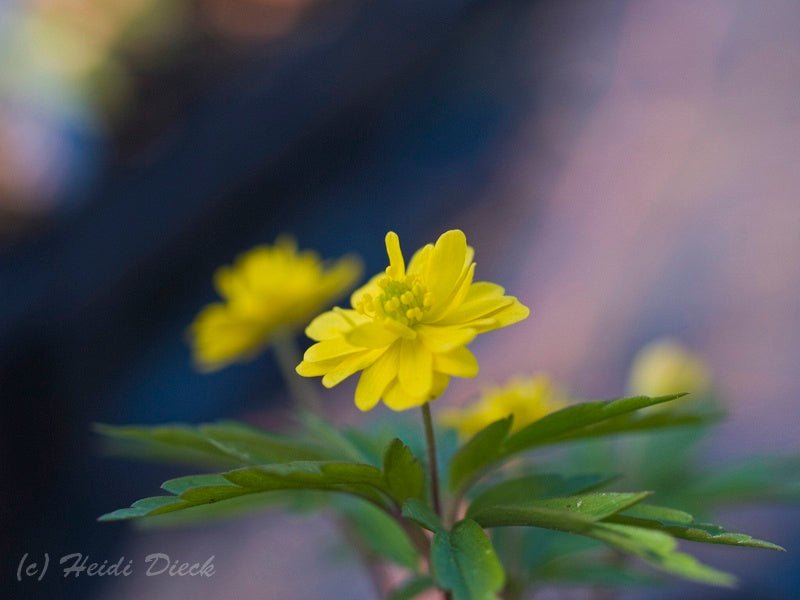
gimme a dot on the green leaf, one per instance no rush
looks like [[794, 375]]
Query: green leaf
[[422, 515], [369, 443], [464, 562], [307, 475], [215, 444], [361, 480], [412, 588], [146, 506], [682, 525], [596, 515], [537, 547], [479, 452], [662, 514], [380, 532], [178, 443], [232, 508], [254, 446], [336, 443], [660, 550], [591, 571], [533, 487], [760, 479], [576, 421], [632, 423], [403, 474], [568, 513]]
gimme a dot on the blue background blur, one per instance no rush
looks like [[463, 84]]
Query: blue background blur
[[628, 168]]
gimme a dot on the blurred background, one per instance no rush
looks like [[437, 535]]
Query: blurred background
[[628, 169]]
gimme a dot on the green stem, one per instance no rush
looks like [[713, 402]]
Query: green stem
[[302, 392], [433, 467]]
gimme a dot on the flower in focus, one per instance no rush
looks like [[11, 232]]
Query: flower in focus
[[666, 367], [527, 398], [409, 326], [267, 290]]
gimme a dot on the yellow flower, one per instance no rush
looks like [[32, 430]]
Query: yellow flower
[[409, 327], [267, 289], [665, 367], [527, 398]]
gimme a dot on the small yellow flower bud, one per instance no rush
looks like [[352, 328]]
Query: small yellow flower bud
[[666, 367]]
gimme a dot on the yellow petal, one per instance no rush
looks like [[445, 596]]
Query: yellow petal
[[419, 261], [397, 266], [350, 365], [446, 264], [329, 349], [482, 289], [315, 369], [375, 379], [464, 285], [229, 283], [477, 309], [353, 317], [469, 256], [401, 330], [220, 336], [459, 292], [440, 338], [320, 367], [440, 382], [486, 308], [327, 326], [511, 314], [397, 398], [415, 372], [371, 335], [459, 362]]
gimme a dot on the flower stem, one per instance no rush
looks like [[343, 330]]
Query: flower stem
[[288, 355], [433, 469], [433, 466]]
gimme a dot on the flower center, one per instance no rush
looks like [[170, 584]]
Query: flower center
[[403, 300]]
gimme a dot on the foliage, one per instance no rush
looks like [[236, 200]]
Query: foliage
[[510, 516], [392, 507]]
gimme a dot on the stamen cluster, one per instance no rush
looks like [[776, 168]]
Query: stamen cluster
[[404, 300]]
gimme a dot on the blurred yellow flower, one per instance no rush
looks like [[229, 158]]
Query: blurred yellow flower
[[527, 398], [268, 289], [409, 327], [666, 367]]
